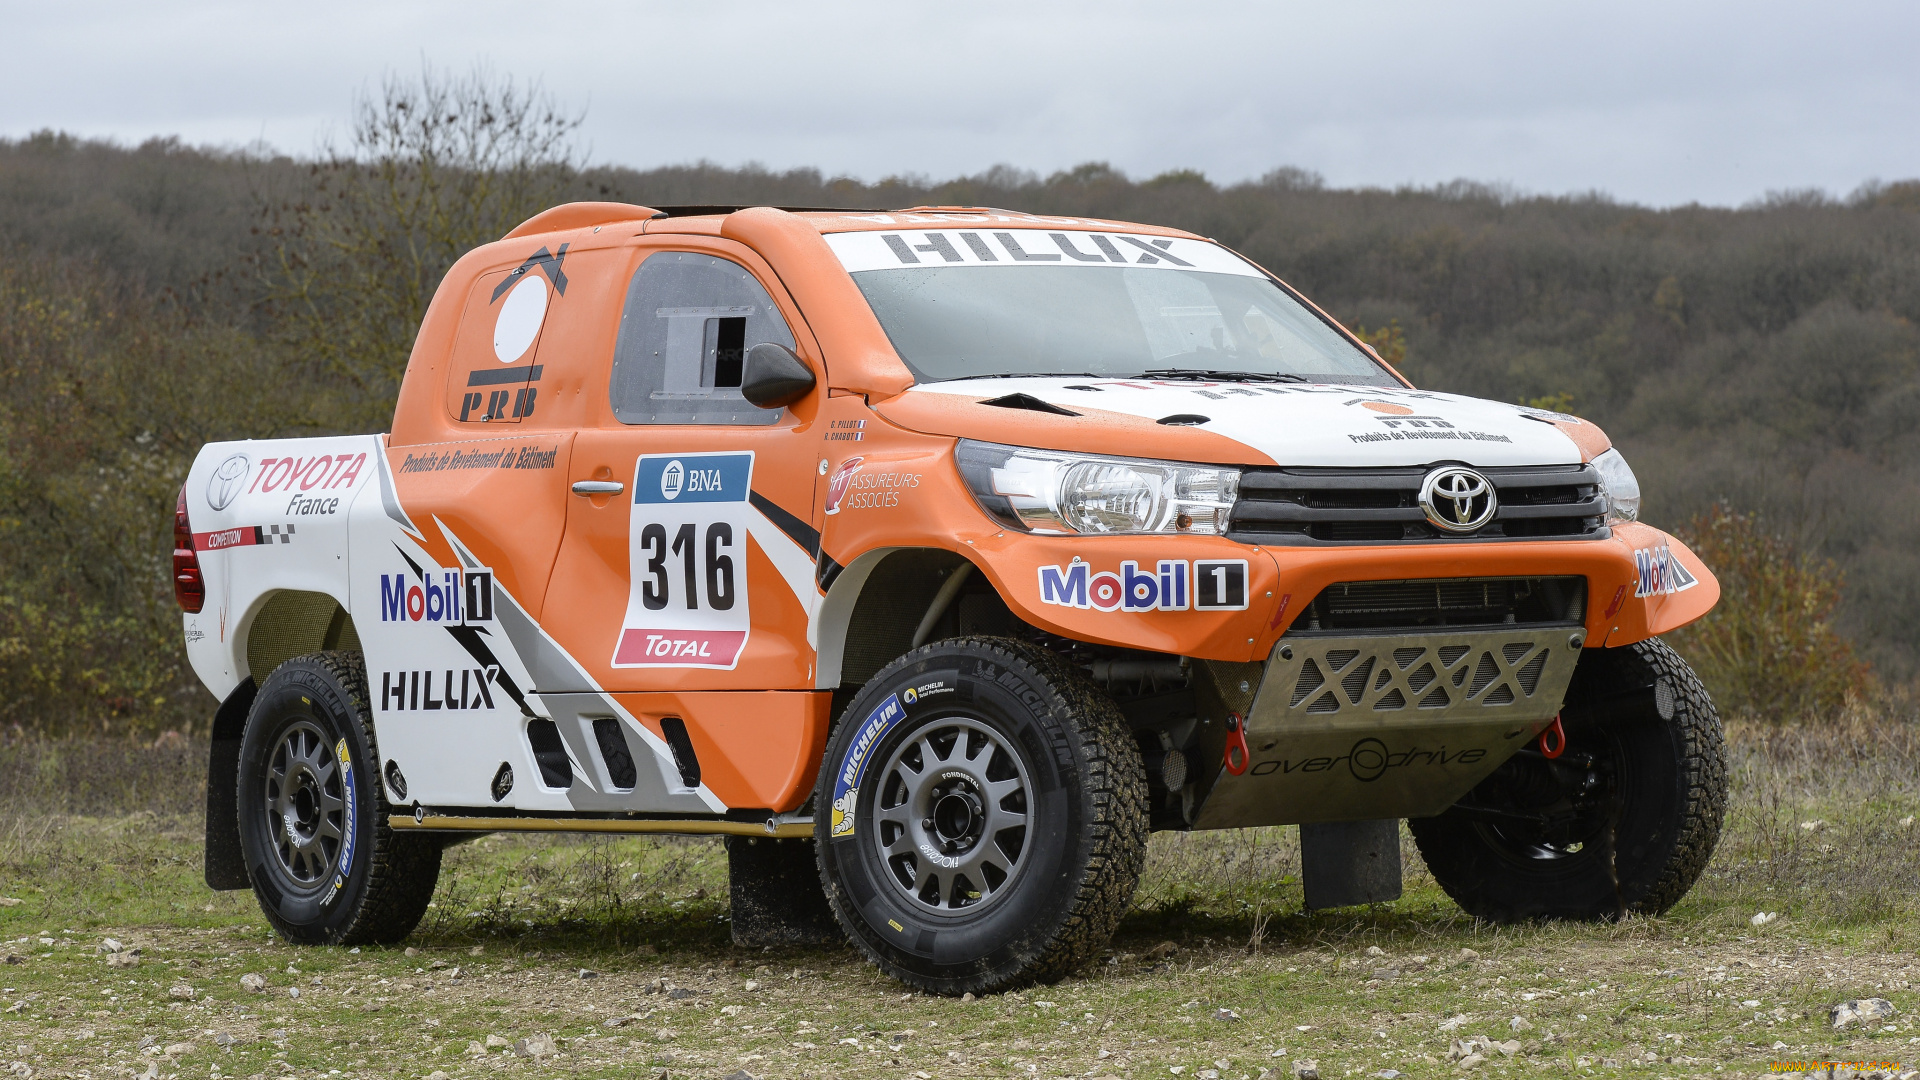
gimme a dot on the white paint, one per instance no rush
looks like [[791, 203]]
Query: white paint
[[519, 320], [1314, 423]]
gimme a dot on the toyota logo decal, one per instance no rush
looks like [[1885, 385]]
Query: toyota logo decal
[[227, 480], [1457, 500]]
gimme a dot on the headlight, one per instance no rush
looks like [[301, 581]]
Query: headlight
[[1621, 486], [1049, 492]]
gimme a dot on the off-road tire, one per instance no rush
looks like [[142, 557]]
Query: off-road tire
[[1673, 797], [388, 879], [1085, 834]]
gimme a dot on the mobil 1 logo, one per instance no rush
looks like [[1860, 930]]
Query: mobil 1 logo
[[1220, 584], [687, 593]]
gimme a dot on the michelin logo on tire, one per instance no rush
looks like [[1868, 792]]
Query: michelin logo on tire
[[846, 783]]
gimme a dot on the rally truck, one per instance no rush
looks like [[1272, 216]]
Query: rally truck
[[935, 558]]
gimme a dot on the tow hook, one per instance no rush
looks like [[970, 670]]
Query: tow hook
[[1236, 744], [1553, 741]]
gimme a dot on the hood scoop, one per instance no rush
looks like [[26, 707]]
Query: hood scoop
[[1027, 402]]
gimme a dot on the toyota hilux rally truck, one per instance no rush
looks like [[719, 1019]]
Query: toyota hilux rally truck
[[934, 558]]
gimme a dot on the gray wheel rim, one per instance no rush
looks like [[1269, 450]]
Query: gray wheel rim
[[305, 808], [951, 817]]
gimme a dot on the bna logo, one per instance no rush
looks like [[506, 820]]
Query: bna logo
[[671, 479]]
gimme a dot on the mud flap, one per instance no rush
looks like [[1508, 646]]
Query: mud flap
[[774, 889], [1343, 863], [226, 864]]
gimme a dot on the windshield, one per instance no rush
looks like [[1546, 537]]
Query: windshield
[[962, 304]]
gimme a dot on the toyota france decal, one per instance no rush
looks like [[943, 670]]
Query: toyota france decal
[[687, 546]]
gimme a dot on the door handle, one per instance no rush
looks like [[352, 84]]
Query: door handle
[[598, 487]]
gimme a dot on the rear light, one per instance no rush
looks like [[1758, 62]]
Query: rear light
[[188, 587]]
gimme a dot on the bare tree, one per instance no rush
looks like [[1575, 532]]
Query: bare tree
[[433, 167]]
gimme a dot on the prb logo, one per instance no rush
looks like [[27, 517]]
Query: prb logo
[[441, 597]]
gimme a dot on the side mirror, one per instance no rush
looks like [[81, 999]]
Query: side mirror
[[774, 378]]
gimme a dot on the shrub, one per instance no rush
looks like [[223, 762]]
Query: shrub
[[1768, 649]]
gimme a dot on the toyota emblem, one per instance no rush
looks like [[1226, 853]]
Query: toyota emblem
[[1457, 499], [226, 481]]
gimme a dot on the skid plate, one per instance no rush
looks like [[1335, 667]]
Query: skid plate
[[1369, 726]]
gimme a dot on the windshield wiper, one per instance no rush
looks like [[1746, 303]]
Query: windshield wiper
[[1029, 375], [1212, 375]]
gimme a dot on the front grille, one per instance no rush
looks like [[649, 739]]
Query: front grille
[[1374, 506], [1444, 602]]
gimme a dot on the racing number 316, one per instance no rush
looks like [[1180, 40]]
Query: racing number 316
[[656, 589]]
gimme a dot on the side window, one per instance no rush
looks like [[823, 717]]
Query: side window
[[686, 328]]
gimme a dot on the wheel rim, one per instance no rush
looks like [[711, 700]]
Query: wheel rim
[[304, 804], [1585, 817], [951, 817]]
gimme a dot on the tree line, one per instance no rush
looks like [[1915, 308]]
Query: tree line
[[1757, 365]]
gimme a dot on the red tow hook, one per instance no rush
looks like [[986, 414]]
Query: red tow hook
[[1236, 744], [1553, 741]]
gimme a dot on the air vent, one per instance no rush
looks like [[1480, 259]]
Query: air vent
[[614, 752], [675, 729], [1027, 402], [556, 769]]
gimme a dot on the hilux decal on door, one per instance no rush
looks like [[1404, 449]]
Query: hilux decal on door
[[687, 546]]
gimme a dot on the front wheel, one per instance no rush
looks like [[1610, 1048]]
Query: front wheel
[[985, 817], [325, 867], [1623, 819]]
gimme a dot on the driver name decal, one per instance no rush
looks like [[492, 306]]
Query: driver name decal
[[687, 548]]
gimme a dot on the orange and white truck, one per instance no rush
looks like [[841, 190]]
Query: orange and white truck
[[935, 557]]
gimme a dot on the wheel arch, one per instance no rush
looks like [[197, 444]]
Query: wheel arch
[[286, 623], [875, 605]]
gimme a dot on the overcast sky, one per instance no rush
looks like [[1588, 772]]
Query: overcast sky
[[1660, 103]]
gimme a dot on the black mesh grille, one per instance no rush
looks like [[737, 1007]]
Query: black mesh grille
[[1438, 602], [1361, 506]]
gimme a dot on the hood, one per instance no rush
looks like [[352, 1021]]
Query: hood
[[1310, 424]]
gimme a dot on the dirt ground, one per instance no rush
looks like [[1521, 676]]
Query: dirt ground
[[1627, 1001]]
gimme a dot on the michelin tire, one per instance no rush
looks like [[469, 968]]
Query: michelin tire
[[1653, 737], [325, 866], [982, 817]]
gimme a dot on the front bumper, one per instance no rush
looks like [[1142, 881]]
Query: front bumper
[[1640, 582]]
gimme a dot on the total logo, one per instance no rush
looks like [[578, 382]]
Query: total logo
[[1171, 585], [443, 597]]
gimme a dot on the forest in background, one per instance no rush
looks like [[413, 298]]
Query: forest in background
[[1759, 366]]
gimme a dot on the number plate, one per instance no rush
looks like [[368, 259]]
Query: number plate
[[687, 600]]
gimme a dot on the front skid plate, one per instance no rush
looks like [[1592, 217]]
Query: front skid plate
[[1367, 726]]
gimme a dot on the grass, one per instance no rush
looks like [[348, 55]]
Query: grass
[[1217, 926]]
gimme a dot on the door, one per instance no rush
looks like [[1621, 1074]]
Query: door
[[688, 558]]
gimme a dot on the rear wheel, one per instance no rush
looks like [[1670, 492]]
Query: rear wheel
[[987, 817], [325, 867], [1624, 819]]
